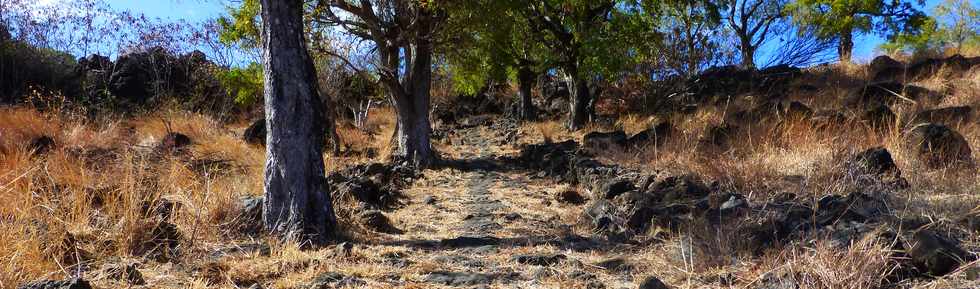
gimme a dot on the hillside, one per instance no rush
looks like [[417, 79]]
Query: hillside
[[826, 177]]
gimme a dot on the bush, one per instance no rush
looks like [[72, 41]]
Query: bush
[[243, 84], [23, 66]]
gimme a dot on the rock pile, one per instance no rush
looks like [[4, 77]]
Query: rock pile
[[625, 203]]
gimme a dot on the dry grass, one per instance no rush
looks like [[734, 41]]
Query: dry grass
[[83, 202]]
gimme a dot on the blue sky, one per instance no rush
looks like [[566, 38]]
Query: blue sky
[[191, 10], [195, 10]]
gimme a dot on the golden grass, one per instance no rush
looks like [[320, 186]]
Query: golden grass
[[84, 200]]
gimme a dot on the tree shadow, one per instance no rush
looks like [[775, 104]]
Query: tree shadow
[[485, 164], [571, 241]]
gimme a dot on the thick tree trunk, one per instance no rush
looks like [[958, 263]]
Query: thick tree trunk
[[580, 111], [297, 205], [411, 99], [413, 130], [525, 80], [748, 53], [846, 45]]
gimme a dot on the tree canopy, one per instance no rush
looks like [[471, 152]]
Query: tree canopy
[[842, 19]]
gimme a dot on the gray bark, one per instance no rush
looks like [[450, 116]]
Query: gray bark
[[297, 205], [581, 110], [410, 93]]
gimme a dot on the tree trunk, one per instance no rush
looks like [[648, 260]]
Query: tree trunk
[[525, 80], [297, 206], [411, 99], [581, 101], [413, 130], [748, 53], [846, 45]]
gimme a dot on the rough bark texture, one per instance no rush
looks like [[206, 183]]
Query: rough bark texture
[[525, 80], [580, 112], [410, 92], [297, 206], [846, 46]]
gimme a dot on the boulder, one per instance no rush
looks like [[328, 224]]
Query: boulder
[[955, 65], [570, 197], [602, 215], [677, 189], [539, 260], [934, 254], [888, 93], [769, 110], [40, 145], [605, 140], [656, 135], [652, 282], [617, 187], [376, 221], [94, 62], [255, 133], [937, 146], [878, 116], [877, 163], [139, 75], [174, 142], [947, 115], [615, 265], [855, 207], [368, 192], [884, 62]]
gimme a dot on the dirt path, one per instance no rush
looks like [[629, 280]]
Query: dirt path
[[481, 223]]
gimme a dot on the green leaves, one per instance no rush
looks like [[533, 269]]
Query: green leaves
[[245, 84], [488, 40], [243, 26], [955, 25], [833, 17]]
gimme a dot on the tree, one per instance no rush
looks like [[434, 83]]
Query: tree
[[297, 205], [691, 29], [753, 22], [961, 21], [402, 32], [842, 19], [955, 25], [493, 42], [587, 43]]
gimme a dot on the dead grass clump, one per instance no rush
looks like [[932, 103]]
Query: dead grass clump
[[864, 264]]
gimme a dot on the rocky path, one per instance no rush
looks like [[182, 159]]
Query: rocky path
[[487, 225]]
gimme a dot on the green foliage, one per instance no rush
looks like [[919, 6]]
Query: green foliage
[[24, 66], [955, 25], [833, 18], [488, 41], [245, 84], [243, 27], [686, 34], [591, 38]]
